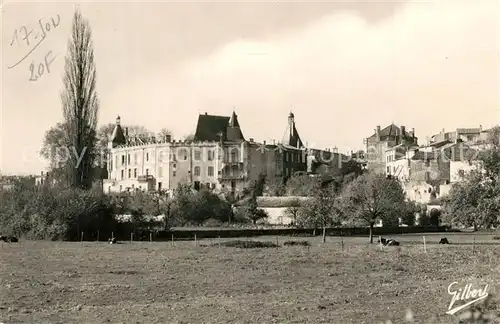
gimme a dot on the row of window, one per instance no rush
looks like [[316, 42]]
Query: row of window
[[210, 171], [197, 172], [183, 154]]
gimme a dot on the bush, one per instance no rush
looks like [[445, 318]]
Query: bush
[[56, 213]]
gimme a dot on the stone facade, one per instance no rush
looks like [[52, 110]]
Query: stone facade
[[219, 158], [383, 140]]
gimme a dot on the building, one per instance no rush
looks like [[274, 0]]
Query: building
[[467, 135], [218, 158], [383, 140]]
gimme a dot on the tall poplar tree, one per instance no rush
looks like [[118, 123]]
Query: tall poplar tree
[[80, 103]]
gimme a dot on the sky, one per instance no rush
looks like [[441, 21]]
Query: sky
[[342, 67]]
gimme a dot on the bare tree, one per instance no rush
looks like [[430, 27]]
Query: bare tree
[[80, 102]]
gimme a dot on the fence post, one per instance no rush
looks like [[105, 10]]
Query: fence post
[[131, 237], [425, 246], [342, 243], [150, 236], [172, 239], [112, 235], [218, 241], [195, 241], [380, 242], [324, 234], [97, 235], [81, 237], [473, 245]]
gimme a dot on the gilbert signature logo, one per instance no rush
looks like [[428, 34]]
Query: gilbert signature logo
[[466, 294]]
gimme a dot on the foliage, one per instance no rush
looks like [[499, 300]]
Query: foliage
[[80, 103], [323, 209], [54, 212], [301, 185], [473, 202], [371, 197], [194, 208], [274, 187]]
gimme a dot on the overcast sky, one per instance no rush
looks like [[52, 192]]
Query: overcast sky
[[343, 68]]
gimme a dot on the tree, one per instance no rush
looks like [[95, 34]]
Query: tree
[[300, 185], [274, 187], [473, 202], [371, 197], [163, 133], [80, 103], [323, 209], [189, 137], [293, 211]]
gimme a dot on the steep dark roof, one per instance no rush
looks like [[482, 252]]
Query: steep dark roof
[[210, 126], [233, 132], [118, 137], [391, 130]]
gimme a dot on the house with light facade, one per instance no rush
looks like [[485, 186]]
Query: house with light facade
[[218, 158]]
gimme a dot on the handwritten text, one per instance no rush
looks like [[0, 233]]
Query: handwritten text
[[31, 39]]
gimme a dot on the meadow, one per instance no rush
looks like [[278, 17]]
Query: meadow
[[344, 280]]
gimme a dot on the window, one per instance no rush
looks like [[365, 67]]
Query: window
[[234, 155], [160, 172], [121, 187], [123, 159], [135, 158], [183, 154], [135, 173], [147, 156], [197, 171], [208, 185], [123, 174], [461, 173], [197, 155], [147, 172], [174, 165], [210, 171], [133, 186], [173, 173], [388, 169], [210, 155], [130, 173], [128, 158]]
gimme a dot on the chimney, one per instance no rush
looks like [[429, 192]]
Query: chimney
[[403, 131], [41, 174], [126, 131], [264, 143], [168, 138], [377, 131], [442, 131], [250, 140], [480, 128], [413, 132], [206, 113]]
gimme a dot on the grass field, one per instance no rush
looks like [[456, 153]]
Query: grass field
[[57, 282]]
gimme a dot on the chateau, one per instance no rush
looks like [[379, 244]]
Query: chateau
[[219, 158]]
